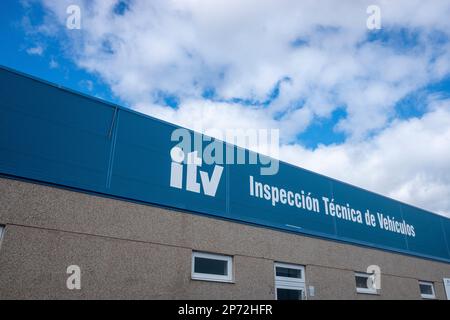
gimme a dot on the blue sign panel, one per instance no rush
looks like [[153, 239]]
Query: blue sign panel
[[57, 136]]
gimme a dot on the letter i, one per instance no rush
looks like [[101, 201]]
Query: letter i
[[176, 168]]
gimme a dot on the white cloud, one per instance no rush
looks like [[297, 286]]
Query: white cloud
[[87, 84], [35, 51], [409, 160], [314, 50], [53, 64]]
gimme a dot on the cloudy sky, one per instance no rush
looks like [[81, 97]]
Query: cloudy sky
[[369, 107]]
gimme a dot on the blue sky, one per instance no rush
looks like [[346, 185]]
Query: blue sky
[[17, 38], [339, 93]]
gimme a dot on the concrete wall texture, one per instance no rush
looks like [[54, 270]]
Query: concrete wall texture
[[133, 251]]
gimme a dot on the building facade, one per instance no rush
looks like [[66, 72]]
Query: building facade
[[92, 207]]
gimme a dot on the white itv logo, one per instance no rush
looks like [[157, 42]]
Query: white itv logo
[[209, 185]]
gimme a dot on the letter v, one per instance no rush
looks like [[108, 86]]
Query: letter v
[[210, 186]]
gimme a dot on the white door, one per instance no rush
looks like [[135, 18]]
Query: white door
[[447, 287], [289, 282]]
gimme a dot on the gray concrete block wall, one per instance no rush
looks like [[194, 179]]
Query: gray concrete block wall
[[128, 250]]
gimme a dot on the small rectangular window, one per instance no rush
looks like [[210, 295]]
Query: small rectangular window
[[212, 267], [289, 272], [289, 282], [427, 290], [289, 294], [363, 283]]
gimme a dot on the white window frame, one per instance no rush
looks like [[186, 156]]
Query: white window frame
[[428, 296], [289, 282], [208, 276], [364, 290]]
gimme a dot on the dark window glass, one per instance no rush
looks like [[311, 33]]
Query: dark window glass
[[361, 282], [290, 273], [426, 289], [210, 266], [289, 294]]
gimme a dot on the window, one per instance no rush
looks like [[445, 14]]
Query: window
[[289, 282], [427, 290], [363, 283], [212, 267]]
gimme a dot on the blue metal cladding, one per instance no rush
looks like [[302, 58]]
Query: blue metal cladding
[[60, 137]]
